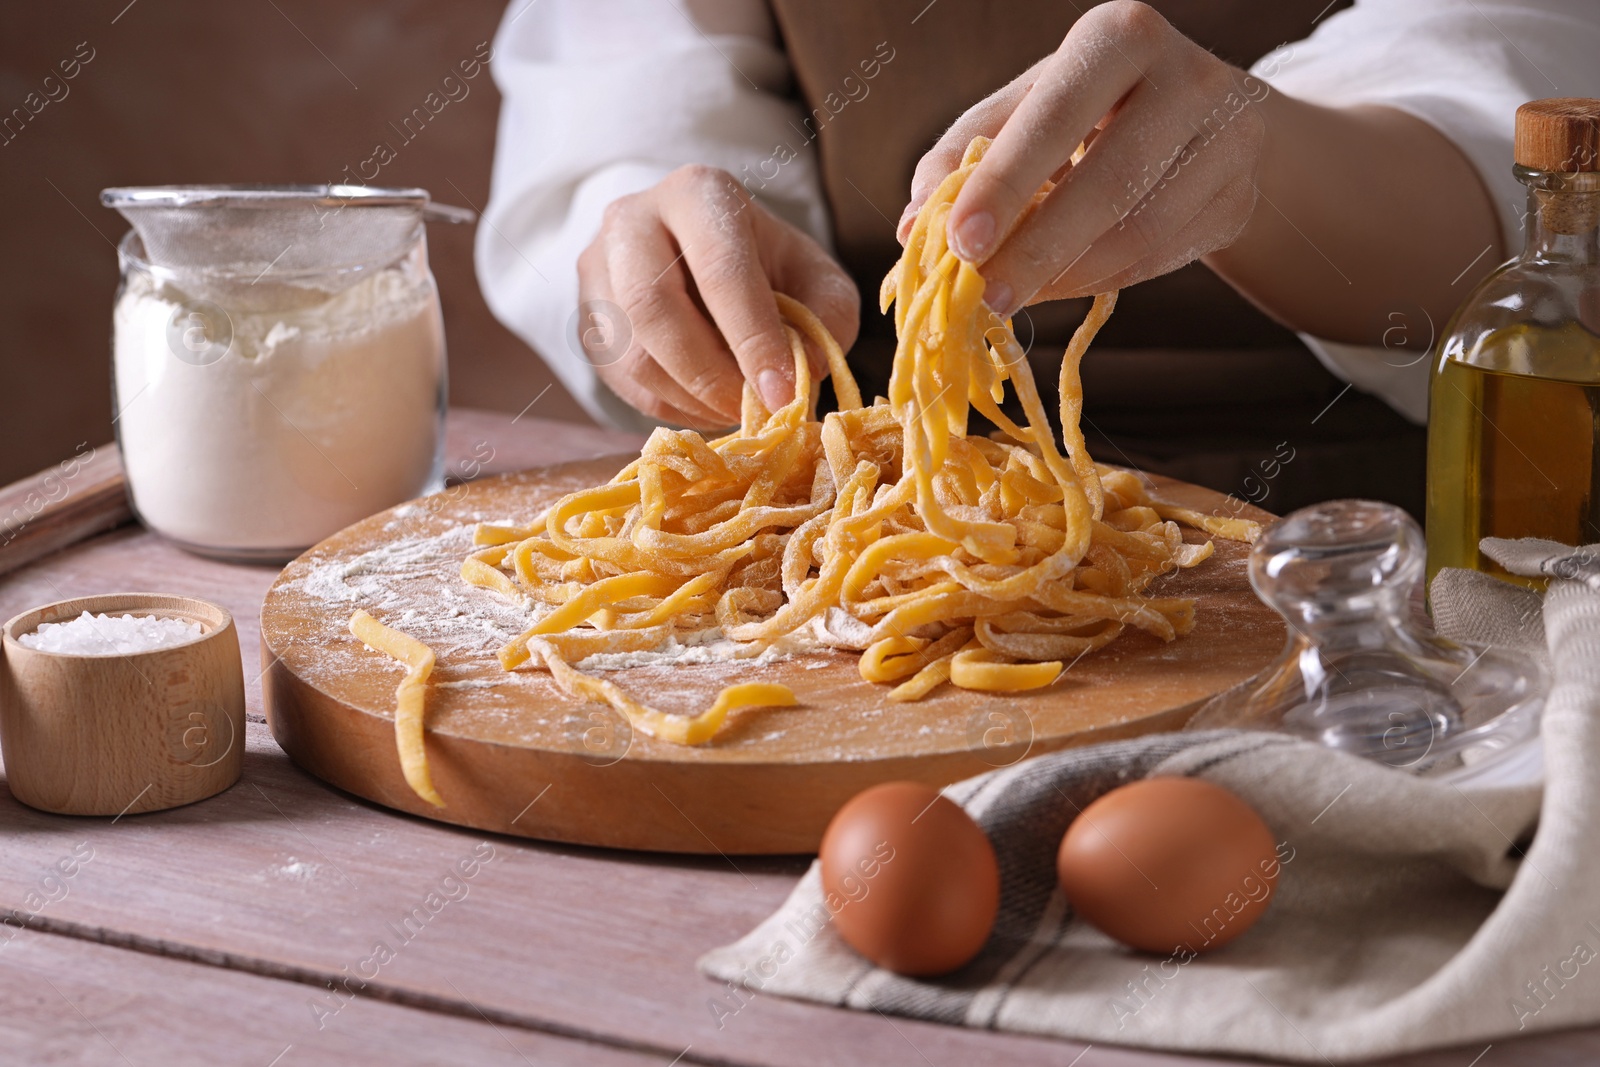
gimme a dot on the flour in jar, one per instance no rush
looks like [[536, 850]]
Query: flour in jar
[[318, 414]]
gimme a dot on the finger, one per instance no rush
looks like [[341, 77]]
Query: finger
[[647, 273], [1148, 143], [1059, 248], [1088, 139], [603, 335], [983, 119], [799, 267], [1217, 225], [656, 408], [713, 220], [833, 297], [634, 377], [642, 375], [1100, 60]]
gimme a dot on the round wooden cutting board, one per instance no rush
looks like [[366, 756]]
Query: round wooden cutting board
[[510, 753]]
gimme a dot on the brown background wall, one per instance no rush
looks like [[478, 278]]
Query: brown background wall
[[189, 91]]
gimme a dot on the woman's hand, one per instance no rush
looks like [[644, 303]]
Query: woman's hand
[[693, 264], [1169, 175]]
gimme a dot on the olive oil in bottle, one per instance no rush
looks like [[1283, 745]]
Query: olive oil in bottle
[[1514, 409]]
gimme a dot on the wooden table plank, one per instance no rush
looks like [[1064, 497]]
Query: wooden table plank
[[291, 880], [287, 878], [75, 1002], [73, 500]]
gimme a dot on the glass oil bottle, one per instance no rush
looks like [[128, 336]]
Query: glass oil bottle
[[1514, 410]]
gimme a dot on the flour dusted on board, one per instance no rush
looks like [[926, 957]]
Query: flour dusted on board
[[324, 408]]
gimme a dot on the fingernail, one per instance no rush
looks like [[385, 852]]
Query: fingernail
[[775, 391], [971, 239], [907, 217], [998, 295]]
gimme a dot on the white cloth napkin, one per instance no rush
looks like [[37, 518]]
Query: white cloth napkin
[[1410, 912]]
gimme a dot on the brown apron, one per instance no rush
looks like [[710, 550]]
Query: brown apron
[[1188, 378]]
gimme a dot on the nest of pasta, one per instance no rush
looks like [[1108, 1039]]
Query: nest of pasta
[[989, 563]]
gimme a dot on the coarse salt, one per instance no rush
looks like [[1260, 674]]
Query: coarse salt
[[104, 635]]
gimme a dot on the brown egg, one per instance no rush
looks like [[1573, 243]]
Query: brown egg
[[910, 879], [1169, 865]]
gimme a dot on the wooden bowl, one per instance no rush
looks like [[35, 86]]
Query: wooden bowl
[[116, 734]]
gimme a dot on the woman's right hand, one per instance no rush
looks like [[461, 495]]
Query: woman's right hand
[[693, 264], [1169, 174]]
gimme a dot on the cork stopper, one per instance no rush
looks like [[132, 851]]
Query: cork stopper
[[1560, 139], [1561, 134]]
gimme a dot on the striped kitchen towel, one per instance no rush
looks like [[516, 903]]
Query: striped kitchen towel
[[1409, 912]]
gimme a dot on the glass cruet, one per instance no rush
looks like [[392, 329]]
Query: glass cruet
[[1358, 673]]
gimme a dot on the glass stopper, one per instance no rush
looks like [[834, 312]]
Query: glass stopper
[[1359, 674]]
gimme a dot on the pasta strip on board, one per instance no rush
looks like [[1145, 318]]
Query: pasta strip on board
[[417, 658]]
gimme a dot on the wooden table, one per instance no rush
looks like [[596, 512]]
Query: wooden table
[[212, 934]]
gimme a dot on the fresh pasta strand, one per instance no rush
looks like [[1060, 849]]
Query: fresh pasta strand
[[984, 563], [410, 696]]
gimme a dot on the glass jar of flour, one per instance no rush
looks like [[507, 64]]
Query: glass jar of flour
[[278, 361]]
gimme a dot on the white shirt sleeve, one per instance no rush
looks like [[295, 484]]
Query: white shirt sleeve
[[602, 98], [1463, 67]]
